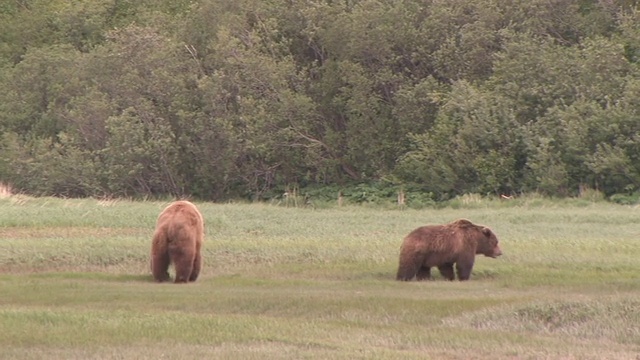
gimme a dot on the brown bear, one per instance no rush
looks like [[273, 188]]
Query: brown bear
[[177, 239], [444, 245]]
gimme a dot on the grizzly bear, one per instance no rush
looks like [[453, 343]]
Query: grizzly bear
[[442, 246], [177, 239]]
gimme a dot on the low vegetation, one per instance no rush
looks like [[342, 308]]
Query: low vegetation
[[302, 282]]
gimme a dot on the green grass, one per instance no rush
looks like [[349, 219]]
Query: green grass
[[289, 283]]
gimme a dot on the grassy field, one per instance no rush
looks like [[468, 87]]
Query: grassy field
[[292, 283]]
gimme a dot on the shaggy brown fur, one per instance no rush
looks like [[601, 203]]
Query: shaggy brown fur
[[444, 245], [177, 239]]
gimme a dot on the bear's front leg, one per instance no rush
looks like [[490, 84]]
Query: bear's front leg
[[183, 262], [464, 267], [197, 264], [447, 271]]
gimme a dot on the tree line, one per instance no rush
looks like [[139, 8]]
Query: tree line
[[220, 99]]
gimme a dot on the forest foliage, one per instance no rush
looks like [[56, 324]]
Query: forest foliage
[[219, 99]]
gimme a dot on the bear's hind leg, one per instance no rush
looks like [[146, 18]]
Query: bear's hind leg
[[160, 266], [424, 273], [408, 267], [447, 271], [404, 274]]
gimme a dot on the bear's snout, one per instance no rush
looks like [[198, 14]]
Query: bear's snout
[[496, 252]]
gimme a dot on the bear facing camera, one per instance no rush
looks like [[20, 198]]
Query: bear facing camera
[[443, 246], [177, 239]]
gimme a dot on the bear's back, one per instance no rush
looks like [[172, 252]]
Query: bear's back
[[436, 239]]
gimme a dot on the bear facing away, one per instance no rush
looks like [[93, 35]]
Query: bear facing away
[[443, 246], [177, 239]]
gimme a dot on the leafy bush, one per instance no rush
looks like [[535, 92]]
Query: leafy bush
[[626, 199]]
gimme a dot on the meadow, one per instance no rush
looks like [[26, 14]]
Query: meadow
[[317, 283]]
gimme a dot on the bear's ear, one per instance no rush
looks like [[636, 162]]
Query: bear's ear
[[486, 231]]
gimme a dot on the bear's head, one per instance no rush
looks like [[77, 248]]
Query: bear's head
[[488, 243]]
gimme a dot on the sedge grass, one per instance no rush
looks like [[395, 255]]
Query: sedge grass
[[286, 283]]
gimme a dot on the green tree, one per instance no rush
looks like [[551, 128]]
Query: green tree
[[475, 146], [140, 157], [36, 90]]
